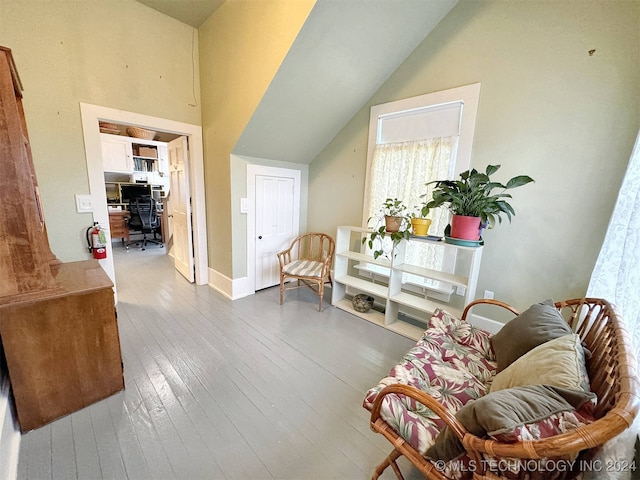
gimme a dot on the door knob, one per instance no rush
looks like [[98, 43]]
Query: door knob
[[259, 237]]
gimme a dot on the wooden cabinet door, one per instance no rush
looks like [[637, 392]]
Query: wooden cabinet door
[[116, 154]]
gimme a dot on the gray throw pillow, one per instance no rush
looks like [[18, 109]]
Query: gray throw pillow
[[503, 411], [559, 362], [538, 324]]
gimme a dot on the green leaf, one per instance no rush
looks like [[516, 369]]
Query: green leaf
[[491, 185], [491, 169], [519, 181]]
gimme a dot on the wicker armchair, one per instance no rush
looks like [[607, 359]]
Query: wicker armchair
[[612, 373], [308, 260]]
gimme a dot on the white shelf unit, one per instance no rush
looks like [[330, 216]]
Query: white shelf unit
[[395, 295]]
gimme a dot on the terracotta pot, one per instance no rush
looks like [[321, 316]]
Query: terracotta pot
[[393, 224], [465, 228], [420, 226]]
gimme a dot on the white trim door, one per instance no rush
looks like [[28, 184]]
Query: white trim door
[[180, 208], [273, 220]]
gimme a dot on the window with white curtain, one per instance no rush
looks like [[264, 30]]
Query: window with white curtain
[[400, 170], [412, 142], [616, 278]]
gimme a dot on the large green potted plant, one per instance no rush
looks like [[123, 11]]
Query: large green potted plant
[[396, 227], [475, 200]]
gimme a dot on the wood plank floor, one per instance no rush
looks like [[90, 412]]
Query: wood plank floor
[[218, 389]]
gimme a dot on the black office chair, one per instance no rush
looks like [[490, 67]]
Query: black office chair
[[144, 218]]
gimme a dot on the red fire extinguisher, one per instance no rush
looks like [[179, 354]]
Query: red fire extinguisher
[[97, 241]]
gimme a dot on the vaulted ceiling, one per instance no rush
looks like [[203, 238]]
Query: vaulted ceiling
[[343, 54], [191, 12]]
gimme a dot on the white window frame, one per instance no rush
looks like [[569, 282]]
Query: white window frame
[[468, 96], [423, 107]]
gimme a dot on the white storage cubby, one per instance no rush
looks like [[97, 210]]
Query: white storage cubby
[[400, 289]]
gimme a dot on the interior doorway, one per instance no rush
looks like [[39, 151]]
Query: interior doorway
[[91, 115]]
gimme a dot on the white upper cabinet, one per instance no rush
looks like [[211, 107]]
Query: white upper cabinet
[[117, 155], [145, 161]]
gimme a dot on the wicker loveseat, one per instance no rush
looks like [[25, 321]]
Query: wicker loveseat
[[448, 382]]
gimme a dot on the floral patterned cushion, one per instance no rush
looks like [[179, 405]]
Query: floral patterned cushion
[[450, 362], [462, 332]]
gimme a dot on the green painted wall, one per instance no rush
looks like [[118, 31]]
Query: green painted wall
[[117, 54], [547, 109], [241, 48]]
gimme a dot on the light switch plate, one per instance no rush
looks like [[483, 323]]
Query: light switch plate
[[84, 203]]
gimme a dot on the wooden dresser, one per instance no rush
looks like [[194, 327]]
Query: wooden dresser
[[58, 323]]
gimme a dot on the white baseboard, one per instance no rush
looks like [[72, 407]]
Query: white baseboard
[[9, 433], [233, 289], [242, 288], [221, 283], [484, 323]]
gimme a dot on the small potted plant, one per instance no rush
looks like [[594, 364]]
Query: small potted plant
[[396, 227], [472, 200], [419, 222], [395, 212]]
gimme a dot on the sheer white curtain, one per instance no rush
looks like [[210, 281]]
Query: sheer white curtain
[[616, 278], [400, 170]]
